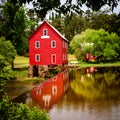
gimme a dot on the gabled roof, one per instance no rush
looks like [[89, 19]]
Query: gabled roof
[[52, 28]]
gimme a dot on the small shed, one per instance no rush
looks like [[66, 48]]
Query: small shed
[[47, 47]]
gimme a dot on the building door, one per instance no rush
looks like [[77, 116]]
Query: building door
[[53, 58], [35, 71]]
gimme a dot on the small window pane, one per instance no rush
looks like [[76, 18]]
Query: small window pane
[[53, 58], [45, 32], [37, 44], [37, 57], [53, 44]]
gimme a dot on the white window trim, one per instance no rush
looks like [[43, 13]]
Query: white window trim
[[52, 44], [54, 90], [45, 37], [46, 32], [52, 58], [36, 57], [36, 44]]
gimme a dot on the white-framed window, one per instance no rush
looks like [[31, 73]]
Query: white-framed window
[[53, 58], [38, 92], [53, 44], [45, 32], [37, 44], [54, 90], [37, 57], [66, 45]]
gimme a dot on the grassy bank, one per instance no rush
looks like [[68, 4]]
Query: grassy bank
[[21, 67], [72, 59], [83, 64]]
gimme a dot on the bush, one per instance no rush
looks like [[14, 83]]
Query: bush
[[12, 111]]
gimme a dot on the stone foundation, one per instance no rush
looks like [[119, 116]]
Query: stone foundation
[[30, 71], [40, 71]]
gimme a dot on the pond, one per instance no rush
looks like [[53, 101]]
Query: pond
[[80, 94]]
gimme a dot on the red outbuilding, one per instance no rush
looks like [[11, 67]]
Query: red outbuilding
[[48, 47]]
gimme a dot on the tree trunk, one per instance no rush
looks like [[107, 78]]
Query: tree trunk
[[12, 65]]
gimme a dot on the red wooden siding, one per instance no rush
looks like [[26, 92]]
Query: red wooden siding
[[44, 46]]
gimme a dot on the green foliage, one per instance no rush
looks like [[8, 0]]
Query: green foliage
[[43, 7], [76, 23], [7, 55], [14, 25], [7, 50], [98, 43], [2, 63], [20, 40], [12, 111]]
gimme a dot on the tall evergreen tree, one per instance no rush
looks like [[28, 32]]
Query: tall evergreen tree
[[13, 26]]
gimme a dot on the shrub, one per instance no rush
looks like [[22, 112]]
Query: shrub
[[12, 111]]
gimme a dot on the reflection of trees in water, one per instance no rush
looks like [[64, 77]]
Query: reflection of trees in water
[[104, 83], [110, 76], [72, 101]]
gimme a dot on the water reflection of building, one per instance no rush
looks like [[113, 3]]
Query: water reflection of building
[[88, 73], [51, 90], [91, 69]]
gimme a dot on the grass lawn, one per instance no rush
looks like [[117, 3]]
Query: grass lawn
[[83, 64], [71, 58], [21, 69], [21, 62]]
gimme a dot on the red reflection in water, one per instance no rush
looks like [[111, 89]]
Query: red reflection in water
[[91, 70], [49, 92]]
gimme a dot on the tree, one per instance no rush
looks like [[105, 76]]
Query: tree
[[2, 63], [8, 51], [42, 7], [20, 39], [7, 55], [14, 25], [98, 43]]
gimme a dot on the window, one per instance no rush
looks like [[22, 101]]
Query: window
[[54, 90], [38, 92], [53, 44], [63, 44], [45, 32], [37, 57], [37, 44], [53, 58]]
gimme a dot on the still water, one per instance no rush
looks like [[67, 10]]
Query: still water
[[80, 94]]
